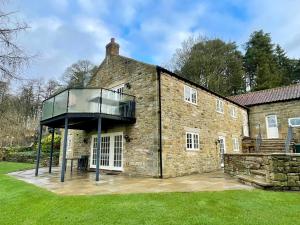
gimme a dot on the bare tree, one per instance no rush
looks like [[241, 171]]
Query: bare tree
[[182, 54], [12, 57], [79, 73]]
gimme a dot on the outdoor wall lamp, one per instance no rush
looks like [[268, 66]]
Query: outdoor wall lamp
[[127, 138], [218, 141], [85, 140], [127, 85], [50, 130]]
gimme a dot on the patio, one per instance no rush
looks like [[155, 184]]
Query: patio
[[78, 183]]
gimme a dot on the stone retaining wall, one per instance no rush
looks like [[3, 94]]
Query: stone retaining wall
[[282, 170], [242, 163]]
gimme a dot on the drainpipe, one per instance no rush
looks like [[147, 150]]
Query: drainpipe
[[159, 122]]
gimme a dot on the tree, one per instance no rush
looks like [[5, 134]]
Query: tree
[[296, 72], [262, 69], [12, 57], [79, 73], [214, 64]]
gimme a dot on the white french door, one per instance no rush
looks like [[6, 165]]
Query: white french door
[[111, 151]]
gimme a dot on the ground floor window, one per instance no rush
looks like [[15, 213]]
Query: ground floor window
[[192, 141], [235, 144]]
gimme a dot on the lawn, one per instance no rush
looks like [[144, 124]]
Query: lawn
[[22, 203]]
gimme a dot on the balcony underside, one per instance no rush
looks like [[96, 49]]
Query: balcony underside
[[86, 121]]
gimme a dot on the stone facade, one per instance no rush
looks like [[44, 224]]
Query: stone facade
[[140, 155], [179, 117], [282, 170], [283, 110]]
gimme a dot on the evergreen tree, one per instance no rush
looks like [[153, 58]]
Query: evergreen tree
[[262, 70]]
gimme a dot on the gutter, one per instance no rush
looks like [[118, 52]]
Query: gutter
[[158, 70]]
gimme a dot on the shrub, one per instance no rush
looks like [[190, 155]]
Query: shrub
[[46, 143]]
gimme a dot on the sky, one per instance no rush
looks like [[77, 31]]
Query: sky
[[64, 31]]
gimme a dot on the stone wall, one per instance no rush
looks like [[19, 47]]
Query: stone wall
[[235, 164], [140, 155], [79, 145], [282, 170], [179, 116], [283, 110]]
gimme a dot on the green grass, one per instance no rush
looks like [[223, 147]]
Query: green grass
[[6, 167], [22, 203]]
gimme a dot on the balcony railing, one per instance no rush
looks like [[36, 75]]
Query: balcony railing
[[89, 101]]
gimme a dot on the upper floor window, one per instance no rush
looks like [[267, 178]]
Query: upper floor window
[[220, 106], [192, 141], [190, 94], [119, 88], [118, 92], [233, 112], [235, 144]]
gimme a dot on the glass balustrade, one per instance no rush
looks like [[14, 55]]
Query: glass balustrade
[[89, 101]]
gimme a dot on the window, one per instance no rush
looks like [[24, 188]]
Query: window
[[235, 144], [190, 95], [220, 106], [119, 89], [192, 141], [233, 112], [118, 94], [294, 122]]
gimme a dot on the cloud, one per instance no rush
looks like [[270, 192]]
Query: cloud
[[65, 31], [281, 19]]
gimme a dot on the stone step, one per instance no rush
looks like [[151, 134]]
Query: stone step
[[271, 150], [272, 145], [260, 174], [256, 182]]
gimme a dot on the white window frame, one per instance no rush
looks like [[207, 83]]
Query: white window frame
[[111, 151], [195, 144], [220, 106], [119, 88], [290, 124], [188, 95], [235, 144], [233, 112]]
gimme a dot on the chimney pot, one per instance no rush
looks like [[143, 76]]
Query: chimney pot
[[112, 48]]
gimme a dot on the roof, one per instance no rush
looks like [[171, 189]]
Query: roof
[[286, 93], [199, 86]]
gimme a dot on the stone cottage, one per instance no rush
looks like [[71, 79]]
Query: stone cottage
[[151, 122], [272, 113]]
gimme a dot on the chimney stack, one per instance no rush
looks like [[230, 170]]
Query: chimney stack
[[112, 48]]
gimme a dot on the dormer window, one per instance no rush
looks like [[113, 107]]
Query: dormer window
[[190, 95]]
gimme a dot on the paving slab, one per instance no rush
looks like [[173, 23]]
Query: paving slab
[[83, 183]]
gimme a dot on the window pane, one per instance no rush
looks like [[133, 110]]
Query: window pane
[[196, 141], [189, 140], [272, 121], [194, 96], [187, 93]]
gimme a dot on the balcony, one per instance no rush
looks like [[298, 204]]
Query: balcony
[[83, 106]]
